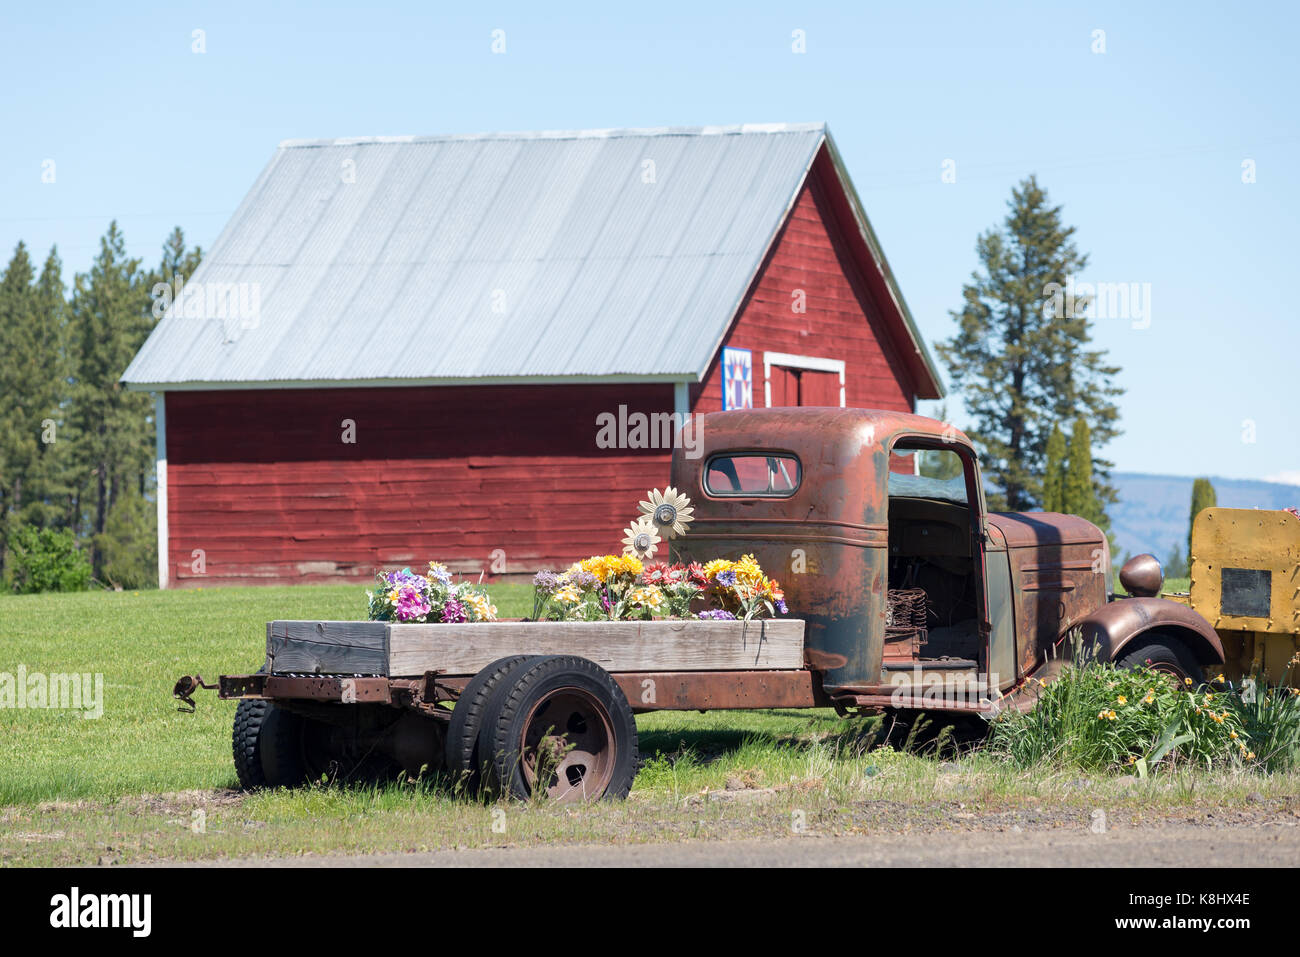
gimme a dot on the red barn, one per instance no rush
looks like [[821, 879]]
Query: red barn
[[410, 348]]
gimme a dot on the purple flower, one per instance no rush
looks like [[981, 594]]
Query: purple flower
[[407, 577], [781, 607], [453, 611], [727, 578], [411, 604], [717, 614], [582, 580], [546, 581]]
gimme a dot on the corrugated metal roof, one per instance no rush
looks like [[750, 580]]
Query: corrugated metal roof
[[503, 255]]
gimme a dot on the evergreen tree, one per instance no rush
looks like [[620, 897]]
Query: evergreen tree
[[1079, 494], [1021, 356], [129, 544], [113, 434], [1203, 496], [1054, 472]]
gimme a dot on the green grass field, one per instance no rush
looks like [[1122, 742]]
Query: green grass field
[[122, 787]]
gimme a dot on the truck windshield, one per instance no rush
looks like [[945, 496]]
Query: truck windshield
[[922, 486]]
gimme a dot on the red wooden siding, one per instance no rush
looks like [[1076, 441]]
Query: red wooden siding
[[262, 482], [842, 321]]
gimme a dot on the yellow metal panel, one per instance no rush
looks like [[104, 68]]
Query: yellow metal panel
[[1261, 540]]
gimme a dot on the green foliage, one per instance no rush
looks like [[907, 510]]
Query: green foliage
[[74, 444], [45, 559], [1054, 472], [129, 543], [1021, 356], [1203, 496], [1098, 717]]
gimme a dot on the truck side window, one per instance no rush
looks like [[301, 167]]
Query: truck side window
[[752, 473]]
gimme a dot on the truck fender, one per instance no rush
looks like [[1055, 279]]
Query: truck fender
[[1116, 626]]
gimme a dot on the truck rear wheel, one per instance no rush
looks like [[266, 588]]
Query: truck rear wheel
[[461, 746], [1166, 655], [561, 727]]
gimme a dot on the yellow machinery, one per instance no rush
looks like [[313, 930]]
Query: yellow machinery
[[1246, 583]]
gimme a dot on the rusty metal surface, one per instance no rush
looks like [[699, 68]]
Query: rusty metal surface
[[241, 686], [1117, 625], [723, 690], [1142, 576], [827, 542], [1058, 577], [184, 689]]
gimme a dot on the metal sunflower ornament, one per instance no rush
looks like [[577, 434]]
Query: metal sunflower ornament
[[670, 511], [641, 538]]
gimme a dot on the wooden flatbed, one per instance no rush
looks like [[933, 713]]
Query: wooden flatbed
[[408, 651]]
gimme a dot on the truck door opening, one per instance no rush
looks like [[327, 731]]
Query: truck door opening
[[934, 612]]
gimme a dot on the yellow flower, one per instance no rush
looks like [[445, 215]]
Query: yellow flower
[[1107, 715], [394, 594], [1151, 696], [718, 565], [480, 608], [568, 595], [1233, 735], [647, 596], [1219, 679], [1250, 756], [748, 572], [1187, 681], [1122, 700]]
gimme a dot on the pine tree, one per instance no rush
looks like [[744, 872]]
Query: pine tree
[[1021, 362], [1203, 496], [32, 387], [113, 435], [1054, 472], [1079, 493]]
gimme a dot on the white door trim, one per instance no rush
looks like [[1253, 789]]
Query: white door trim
[[814, 363], [160, 466]]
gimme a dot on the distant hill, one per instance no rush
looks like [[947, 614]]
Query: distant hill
[[1151, 515]]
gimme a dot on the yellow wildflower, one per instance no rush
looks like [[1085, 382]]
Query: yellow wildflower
[[1122, 700]]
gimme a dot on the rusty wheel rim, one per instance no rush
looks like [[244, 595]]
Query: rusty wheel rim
[[568, 747]]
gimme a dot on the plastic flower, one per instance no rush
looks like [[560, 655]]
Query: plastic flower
[[641, 538], [712, 568], [546, 581], [480, 608], [748, 572], [568, 595], [411, 605], [438, 572], [647, 596], [717, 614], [670, 511], [453, 610]]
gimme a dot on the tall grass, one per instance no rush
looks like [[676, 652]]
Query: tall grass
[[1097, 717]]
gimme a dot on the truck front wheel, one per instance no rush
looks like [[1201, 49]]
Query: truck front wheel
[[561, 728], [1164, 654]]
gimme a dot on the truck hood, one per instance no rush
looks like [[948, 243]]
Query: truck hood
[[1036, 529]]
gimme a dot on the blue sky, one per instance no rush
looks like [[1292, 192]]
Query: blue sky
[[1143, 144]]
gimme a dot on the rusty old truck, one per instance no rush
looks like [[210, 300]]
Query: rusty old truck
[[905, 595]]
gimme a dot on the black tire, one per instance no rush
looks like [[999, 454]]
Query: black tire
[[574, 706], [246, 741], [461, 746], [284, 764], [1165, 654]]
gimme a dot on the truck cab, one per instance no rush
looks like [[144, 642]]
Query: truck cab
[[914, 594]]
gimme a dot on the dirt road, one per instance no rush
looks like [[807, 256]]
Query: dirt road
[[1173, 846]]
